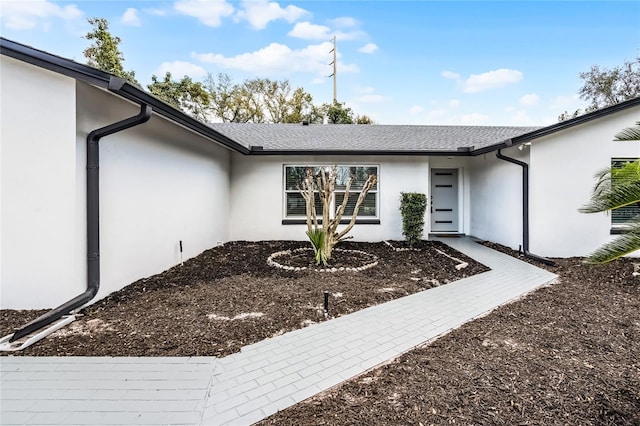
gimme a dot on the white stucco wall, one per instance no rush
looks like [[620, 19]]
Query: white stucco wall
[[38, 185], [257, 195], [159, 184], [562, 177], [496, 198]]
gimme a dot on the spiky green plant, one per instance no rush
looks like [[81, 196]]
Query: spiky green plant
[[317, 237], [616, 188]]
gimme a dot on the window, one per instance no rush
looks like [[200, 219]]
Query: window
[[620, 217], [295, 206]]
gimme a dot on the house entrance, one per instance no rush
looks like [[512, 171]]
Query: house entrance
[[444, 200]]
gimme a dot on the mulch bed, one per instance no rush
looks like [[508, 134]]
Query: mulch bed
[[228, 297], [567, 354]]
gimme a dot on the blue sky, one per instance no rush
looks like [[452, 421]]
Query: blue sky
[[400, 62]]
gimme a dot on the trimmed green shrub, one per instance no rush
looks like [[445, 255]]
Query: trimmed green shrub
[[412, 207]]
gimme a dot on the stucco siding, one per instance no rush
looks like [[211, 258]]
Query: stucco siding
[[257, 195], [562, 178], [496, 198], [159, 184], [37, 135]]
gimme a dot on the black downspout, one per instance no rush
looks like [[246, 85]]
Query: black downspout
[[525, 209], [93, 224]]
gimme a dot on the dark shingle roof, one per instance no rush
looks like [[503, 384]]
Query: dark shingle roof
[[368, 138]]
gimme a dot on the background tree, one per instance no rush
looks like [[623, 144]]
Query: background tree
[[614, 189], [103, 53], [603, 87], [364, 119], [184, 94], [338, 113]]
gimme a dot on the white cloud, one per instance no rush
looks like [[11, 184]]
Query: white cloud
[[368, 48], [157, 12], [130, 17], [565, 102], [450, 75], [344, 22], [371, 98], [179, 69], [442, 116], [260, 12], [416, 109], [520, 118], [278, 58], [491, 80], [25, 15], [530, 99], [209, 13], [308, 31], [453, 103]]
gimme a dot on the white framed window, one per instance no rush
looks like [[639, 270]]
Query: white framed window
[[621, 216], [295, 206]]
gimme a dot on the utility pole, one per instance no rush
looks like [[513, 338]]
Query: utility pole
[[335, 67]]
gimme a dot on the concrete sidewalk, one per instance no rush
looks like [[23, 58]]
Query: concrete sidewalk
[[264, 377]]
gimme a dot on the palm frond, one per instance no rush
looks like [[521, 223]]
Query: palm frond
[[623, 245], [629, 133], [615, 188], [620, 195]]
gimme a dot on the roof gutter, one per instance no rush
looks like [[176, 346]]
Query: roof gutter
[[525, 208], [93, 222]]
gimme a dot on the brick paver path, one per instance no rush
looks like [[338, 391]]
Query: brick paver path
[[264, 377]]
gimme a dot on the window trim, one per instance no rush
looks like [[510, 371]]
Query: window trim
[[301, 219]]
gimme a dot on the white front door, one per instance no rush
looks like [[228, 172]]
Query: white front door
[[444, 200]]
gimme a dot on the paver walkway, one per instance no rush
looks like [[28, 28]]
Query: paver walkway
[[264, 377]]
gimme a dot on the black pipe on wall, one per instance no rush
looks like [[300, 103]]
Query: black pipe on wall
[[93, 224], [525, 208]]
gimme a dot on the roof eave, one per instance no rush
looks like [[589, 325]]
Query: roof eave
[[114, 84], [340, 152], [556, 127]]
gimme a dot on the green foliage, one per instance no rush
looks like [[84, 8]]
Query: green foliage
[[616, 188], [338, 113], [104, 53], [183, 94], [412, 207], [364, 119], [317, 238], [603, 87]]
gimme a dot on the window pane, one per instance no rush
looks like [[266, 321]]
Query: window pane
[[358, 173], [624, 214], [360, 176], [294, 177], [619, 170], [367, 208], [296, 206]]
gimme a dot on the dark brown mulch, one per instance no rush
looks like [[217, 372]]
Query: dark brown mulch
[[568, 354], [229, 297]]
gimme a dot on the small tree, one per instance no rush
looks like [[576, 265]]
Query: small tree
[[412, 207], [324, 236]]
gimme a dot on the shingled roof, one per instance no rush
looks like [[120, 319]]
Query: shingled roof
[[367, 138]]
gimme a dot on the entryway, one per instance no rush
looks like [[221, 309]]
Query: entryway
[[444, 200]]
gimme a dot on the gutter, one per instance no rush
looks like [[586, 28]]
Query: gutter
[[525, 208], [93, 220]]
